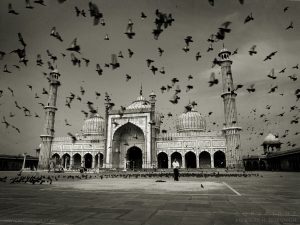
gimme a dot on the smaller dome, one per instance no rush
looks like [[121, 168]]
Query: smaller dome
[[94, 125], [271, 139]]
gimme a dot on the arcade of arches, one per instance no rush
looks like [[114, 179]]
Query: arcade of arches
[[191, 160], [78, 160], [134, 158]]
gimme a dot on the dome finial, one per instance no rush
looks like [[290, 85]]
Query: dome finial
[[141, 90]]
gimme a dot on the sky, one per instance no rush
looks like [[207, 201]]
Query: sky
[[191, 18]]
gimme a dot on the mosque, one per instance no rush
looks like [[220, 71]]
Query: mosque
[[131, 138]]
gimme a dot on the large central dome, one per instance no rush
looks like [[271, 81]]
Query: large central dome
[[139, 103], [94, 125], [191, 121]]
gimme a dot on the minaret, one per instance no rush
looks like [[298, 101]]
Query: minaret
[[152, 101], [231, 129], [48, 134]]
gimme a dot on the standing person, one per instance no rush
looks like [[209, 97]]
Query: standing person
[[175, 165]]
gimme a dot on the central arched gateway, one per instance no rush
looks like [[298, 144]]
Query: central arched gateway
[[134, 158], [128, 144]]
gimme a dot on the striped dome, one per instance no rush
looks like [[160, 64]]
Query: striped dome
[[94, 125], [139, 103], [190, 121]]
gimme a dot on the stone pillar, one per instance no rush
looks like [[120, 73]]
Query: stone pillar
[[93, 161], [71, 162], [197, 161], [24, 161], [169, 162], [183, 162], [82, 161], [212, 165], [65, 162], [99, 160]]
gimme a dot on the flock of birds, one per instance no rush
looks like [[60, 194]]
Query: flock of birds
[[162, 21], [48, 179]]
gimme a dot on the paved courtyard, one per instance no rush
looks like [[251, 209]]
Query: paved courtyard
[[270, 198]]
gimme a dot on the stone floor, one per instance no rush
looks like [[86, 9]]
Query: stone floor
[[272, 198]]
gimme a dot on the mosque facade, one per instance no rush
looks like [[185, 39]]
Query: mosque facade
[[131, 138]]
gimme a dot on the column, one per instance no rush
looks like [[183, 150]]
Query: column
[[24, 161], [71, 162], [65, 162], [99, 160], [93, 161], [197, 160], [212, 160], [183, 162], [169, 162], [82, 161]]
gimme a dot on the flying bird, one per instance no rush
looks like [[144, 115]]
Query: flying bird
[[11, 10], [74, 46], [129, 30], [198, 56], [251, 88], [28, 5], [114, 62], [269, 57], [248, 18], [212, 80], [95, 13], [271, 74], [99, 69], [291, 26], [252, 50]]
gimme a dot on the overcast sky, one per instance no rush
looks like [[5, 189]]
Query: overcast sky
[[192, 18]]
